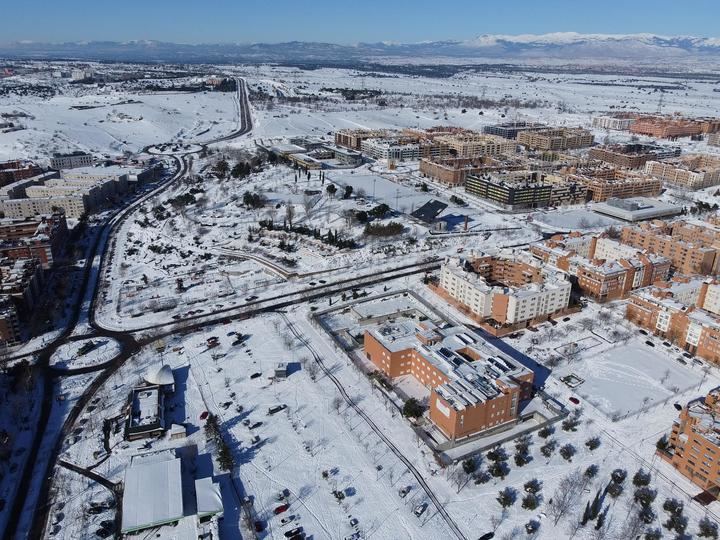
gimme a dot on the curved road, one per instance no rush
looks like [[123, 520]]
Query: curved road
[[100, 252]]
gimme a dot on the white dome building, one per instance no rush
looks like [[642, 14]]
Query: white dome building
[[161, 376]]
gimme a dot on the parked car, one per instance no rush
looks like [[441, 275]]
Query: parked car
[[353, 522], [574, 400], [256, 375], [487, 536], [255, 425], [280, 509], [681, 360], [287, 519], [649, 343], [404, 491], [420, 509], [277, 408], [293, 532]]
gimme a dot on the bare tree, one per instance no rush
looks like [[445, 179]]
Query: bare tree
[[289, 212], [336, 402], [566, 496], [312, 370]]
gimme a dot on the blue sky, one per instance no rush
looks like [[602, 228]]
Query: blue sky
[[343, 21]]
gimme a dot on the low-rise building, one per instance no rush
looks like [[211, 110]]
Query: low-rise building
[[714, 139], [636, 209], [672, 127], [633, 155], [473, 388], [691, 172], [71, 160], [694, 442], [556, 138], [470, 145], [506, 291]]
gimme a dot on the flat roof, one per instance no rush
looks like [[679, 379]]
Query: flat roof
[[152, 495], [636, 208]]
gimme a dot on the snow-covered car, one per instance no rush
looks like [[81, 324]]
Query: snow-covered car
[[404, 491], [420, 509]]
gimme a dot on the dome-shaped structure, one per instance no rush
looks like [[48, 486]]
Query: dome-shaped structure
[[162, 375]]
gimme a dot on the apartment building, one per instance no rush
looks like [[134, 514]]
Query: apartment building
[[521, 189], [14, 170], [468, 145], [10, 332], [611, 182], [71, 160], [510, 130], [556, 138], [618, 122], [507, 291], [714, 139], [632, 155], [668, 127], [22, 281], [604, 269], [694, 442], [690, 172], [43, 239], [699, 232], [391, 149], [684, 311], [473, 387], [686, 257], [353, 138]]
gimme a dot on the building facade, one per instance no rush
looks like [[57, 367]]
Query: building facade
[[71, 160], [556, 139], [473, 388]]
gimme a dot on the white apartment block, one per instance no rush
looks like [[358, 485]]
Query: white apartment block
[[507, 305], [611, 122], [612, 250], [536, 301], [712, 299], [71, 161], [74, 206], [390, 150], [467, 288], [474, 145], [691, 172]]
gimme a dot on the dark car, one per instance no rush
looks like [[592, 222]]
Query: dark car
[[255, 425], [487, 536], [280, 509], [643, 332], [293, 532], [259, 526], [574, 400], [649, 343], [103, 533], [256, 375], [678, 407], [681, 360]]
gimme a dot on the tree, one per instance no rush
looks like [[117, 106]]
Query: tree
[[546, 432], [707, 528], [237, 171], [662, 443], [413, 408], [507, 497], [348, 192], [641, 478], [645, 496], [548, 449], [568, 451], [336, 402], [653, 534], [566, 496], [614, 490], [591, 471], [530, 501], [533, 486], [532, 526], [593, 443], [289, 213], [618, 476], [469, 466], [331, 190], [221, 168], [361, 216], [499, 469]]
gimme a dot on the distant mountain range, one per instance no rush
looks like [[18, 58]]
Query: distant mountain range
[[568, 47]]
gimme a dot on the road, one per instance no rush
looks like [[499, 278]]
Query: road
[[36, 513]]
